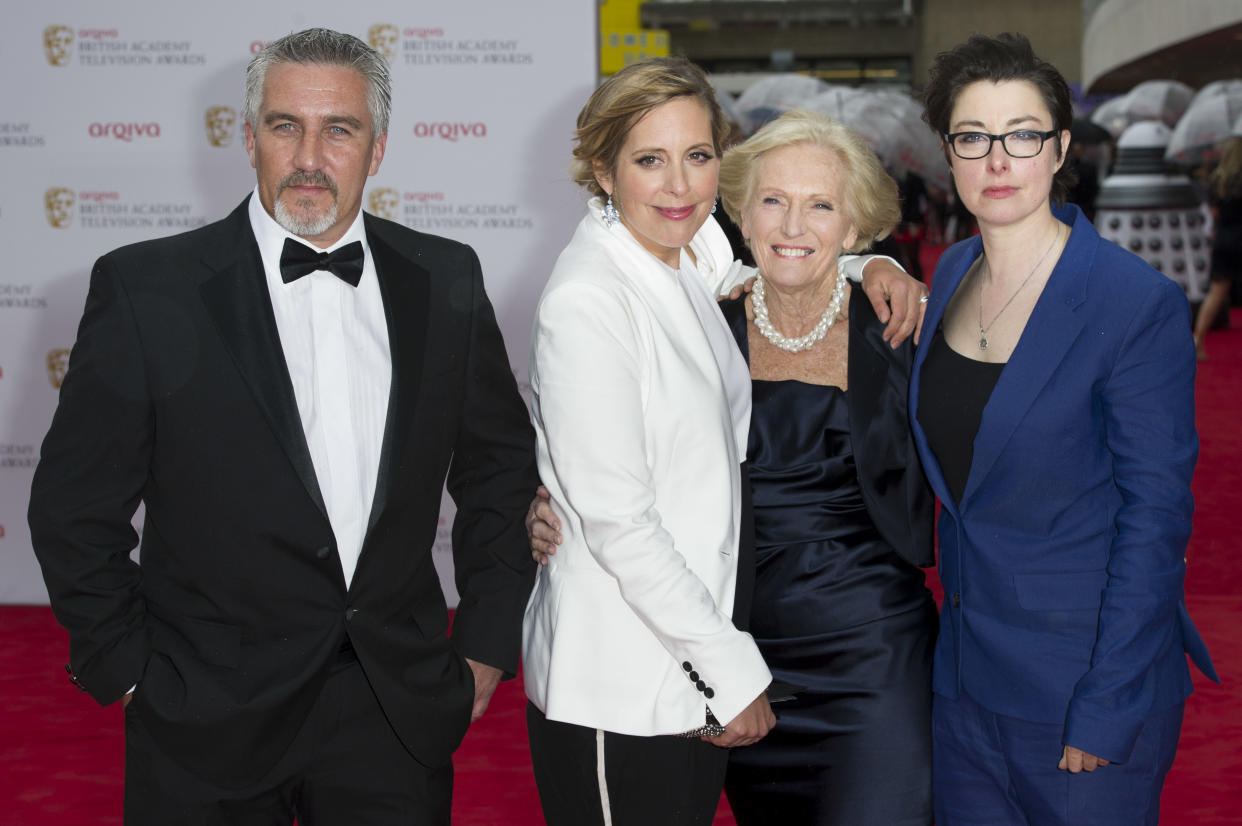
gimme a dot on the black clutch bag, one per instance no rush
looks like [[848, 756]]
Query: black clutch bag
[[778, 692]]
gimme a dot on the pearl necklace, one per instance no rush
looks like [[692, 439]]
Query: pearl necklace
[[806, 342]]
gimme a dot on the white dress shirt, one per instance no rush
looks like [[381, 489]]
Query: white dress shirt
[[335, 342]]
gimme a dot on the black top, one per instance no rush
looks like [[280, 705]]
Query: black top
[[955, 391]]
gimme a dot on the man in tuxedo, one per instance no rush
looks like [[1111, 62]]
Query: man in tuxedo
[[287, 391]]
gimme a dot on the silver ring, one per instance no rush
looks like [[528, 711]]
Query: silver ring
[[923, 300]]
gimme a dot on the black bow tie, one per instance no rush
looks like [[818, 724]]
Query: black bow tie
[[297, 260]]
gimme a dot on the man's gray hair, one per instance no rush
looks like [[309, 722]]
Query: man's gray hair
[[327, 48]]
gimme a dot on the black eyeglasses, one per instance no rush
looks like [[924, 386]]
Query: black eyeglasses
[[1021, 143]]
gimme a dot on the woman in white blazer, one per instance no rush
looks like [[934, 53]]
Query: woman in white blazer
[[637, 673], [641, 404]]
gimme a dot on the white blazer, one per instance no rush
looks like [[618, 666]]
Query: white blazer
[[629, 627]]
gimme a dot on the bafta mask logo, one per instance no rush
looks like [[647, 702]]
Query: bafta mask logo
[[383, 38], [382, 203], [58, 203], [220, 122], [58, 45], [57, 364]]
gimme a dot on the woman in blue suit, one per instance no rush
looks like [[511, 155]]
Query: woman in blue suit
[[1053, 407]]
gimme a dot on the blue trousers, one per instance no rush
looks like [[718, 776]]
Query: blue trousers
[[993, 770]]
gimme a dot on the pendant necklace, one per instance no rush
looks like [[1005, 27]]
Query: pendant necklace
[[983, 329]]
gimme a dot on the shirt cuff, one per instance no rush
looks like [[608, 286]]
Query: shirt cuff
[[853, 265]]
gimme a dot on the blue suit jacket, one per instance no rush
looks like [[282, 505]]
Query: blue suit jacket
[[1063, 562]]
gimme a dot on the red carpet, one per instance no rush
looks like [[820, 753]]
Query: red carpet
[[61, 755], [1205, 786]]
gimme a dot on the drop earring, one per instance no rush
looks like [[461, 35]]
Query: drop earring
[[611, 216]]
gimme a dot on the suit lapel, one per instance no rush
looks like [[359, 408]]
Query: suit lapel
[[1052, 329], [866, 399], [237, 300], [404, 287]]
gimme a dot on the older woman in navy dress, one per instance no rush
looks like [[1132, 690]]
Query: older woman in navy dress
[[843, 516]]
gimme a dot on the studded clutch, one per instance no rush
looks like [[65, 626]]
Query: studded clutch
[[711, 728], [778, 692]]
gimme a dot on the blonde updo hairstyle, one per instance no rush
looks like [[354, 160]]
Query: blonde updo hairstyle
[[870, 195], [622, 100]]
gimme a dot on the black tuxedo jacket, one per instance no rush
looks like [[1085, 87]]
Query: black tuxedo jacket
[[178, 395], [894, 488]]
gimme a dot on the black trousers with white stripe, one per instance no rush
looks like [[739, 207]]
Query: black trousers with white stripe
[[588, 777]]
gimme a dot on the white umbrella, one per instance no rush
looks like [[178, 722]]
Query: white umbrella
[[906, 108], [1112, 116], [1162, 100], [1208, 122], [880, 127], [1230, 88], [768, 98], [892, 124], [861, 111], [832, 101], [920, 152], [728, 104], [901, 144]]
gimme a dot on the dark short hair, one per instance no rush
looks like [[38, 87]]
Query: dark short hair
[[1007, 56], [622, 100]]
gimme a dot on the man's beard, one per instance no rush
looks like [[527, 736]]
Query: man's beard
[[305, 225]]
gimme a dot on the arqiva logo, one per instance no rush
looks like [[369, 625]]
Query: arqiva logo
[[124, 131], [450, 131]]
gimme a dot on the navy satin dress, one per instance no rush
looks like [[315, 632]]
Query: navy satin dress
[[839, 613]]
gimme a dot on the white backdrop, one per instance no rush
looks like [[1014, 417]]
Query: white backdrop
[[120, 121]]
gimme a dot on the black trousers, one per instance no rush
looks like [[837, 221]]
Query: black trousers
[[345, 767], [643, 781]]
